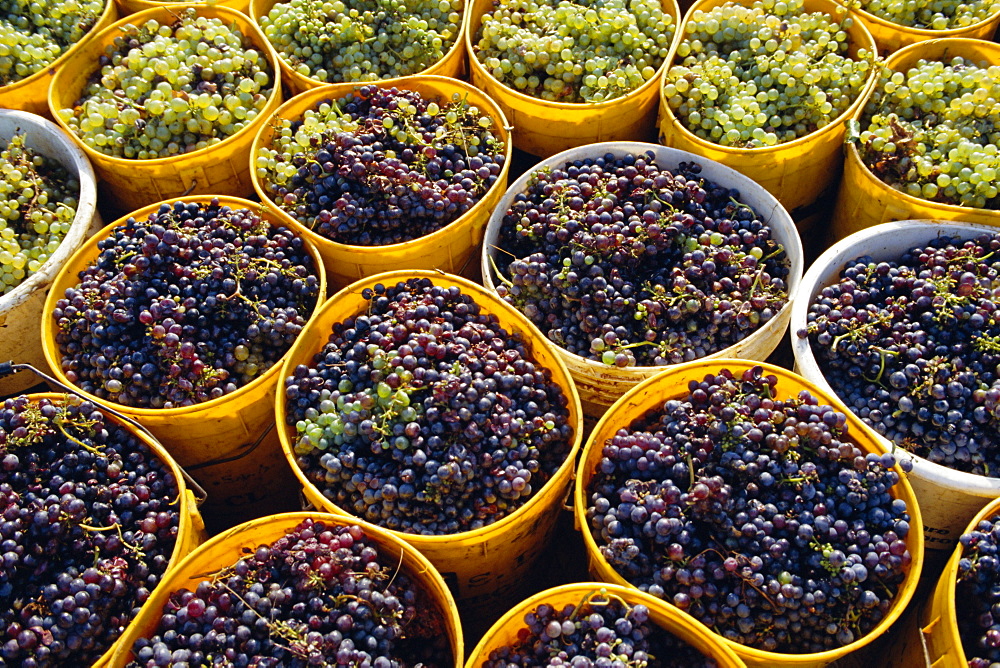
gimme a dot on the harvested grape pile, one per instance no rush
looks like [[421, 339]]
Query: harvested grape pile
[[90, 518], [912, 347], [600, 630], [362, 40], [382, 166], [184, 306], [933, 15], [321, 593], [933, 132], [169, 89], [35, 33], [423, 415], [765, 74], [628, 262], [38, 200], [755, 515], [562, 51], [977, 594]]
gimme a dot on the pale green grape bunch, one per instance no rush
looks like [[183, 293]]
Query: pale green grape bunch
[[38, 201], [933, 131], [933, 15], [766, 74], [33, 33], [362, 40], [169, 89], [586, 51]]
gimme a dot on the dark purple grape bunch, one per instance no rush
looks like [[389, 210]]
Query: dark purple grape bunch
[[912, 346], [188, 305], [89, 522], [601, 631], [424, 415], [382, 165], [755, 515], [624, 261], [321, 595], [977, 594]]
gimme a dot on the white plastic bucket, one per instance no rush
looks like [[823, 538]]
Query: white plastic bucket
[[600, 385], [948, 499], [21, 308]]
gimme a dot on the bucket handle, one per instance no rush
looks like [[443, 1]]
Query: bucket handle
[[10, 368], [233, 458]]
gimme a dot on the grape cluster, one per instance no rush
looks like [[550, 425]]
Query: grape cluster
[[933, 131], [362, 40], [33, 33], [563, 51], [977, 594], [912, 347], [623, 261], [185, 306], [933, 15], [89, 522], [168, 89], [382, 166], [38, 200], [423, 415], [765, 74], [321, 595], [602, 631], [753, 514]]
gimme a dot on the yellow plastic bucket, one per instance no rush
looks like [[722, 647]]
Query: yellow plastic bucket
[[601, 385], [864, 199], [227, 548], [223, 169], [798, 172], [128, 7], [486, 565], [662, 615], [447, 249], [190, 530], [452, 65], [674, 384], [543, 128], [32, 93], [891, 36], [214, 439], [938, 630]]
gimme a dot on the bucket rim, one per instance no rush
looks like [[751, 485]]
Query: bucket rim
[[257, 39], [926, 33], [50, 348], [563, 473], [319, 94], [861, 436]]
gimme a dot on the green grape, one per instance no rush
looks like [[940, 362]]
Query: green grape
[[362, 40], [206, 59], [765, 74], [34, 34], [38, 201], [933, 14], [933, 132], [562, 51]]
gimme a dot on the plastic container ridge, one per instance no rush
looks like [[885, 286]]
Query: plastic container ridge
[[452, 65], [215, 439], [674, 384], [544, 128], [228, 547], [600, 385], [797, 173], [864, 199], [948, 498], [484, 566], [447, 249], [128, 184]]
